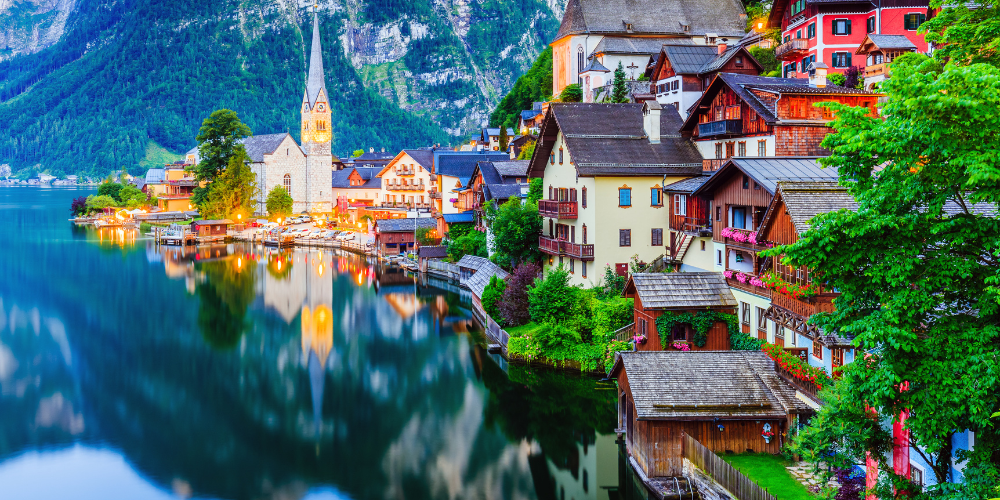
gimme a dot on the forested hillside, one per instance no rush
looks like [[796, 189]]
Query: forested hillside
[[128, 77], [533, 86]]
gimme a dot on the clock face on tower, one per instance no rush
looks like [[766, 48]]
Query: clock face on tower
[[321, 107]]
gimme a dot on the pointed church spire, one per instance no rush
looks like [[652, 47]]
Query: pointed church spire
[[317, 80]]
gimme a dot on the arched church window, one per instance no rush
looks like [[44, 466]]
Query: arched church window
[[579, 59], [288, 183], [321, 125]]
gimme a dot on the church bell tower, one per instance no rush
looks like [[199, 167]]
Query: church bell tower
[[317, 133]]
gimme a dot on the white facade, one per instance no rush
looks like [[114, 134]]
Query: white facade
[[755, 145], [675, 94]]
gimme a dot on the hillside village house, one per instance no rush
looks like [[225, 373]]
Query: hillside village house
[[408, 180], [679, 73], [173, 187], [454, 173], [632, 53], [656, 294], [689, 246], [490, 138], [745, 115], [829, 32], [397, 236], [879, 51], [356, 187], [586, 23], [603, 167]]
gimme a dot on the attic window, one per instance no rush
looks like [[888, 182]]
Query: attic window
[[628, 26], [739, 61], [686, 27]]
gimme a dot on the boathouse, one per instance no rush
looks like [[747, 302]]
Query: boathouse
[[729, 401], [210, 227], [688, 295]]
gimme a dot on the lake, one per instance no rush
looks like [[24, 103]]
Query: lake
[[132, 371]]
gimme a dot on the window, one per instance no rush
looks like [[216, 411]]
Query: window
[[870, 24], [560, 156], [730, 148], [686, 27], [806, 61], [745, 313], [552, 158], [655, 197], [811, 31], [761, 320], [739, 61], [675, 85], [625, 197], [585, 235], [584, 200], [797, 107], [680, 204], [841, 26], [579, 59], [779, 335], [913, 21], [917, 477], [841, 59], [288, 183], [739, 217], [572, 265], [657, 237], [718, 213], [746, 183], [583, 268], [718, 151], [798, 34], [762, 148], [817, 350], [718, 257], [624, 237], [741, 148]]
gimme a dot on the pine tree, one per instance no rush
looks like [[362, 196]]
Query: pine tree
[[504, 138], [619, 93]]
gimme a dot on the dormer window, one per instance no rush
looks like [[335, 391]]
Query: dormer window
[[685, 27], [628, 26]]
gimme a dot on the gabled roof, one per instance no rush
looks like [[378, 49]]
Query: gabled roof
[[719, 61], [512, 168], [687, 185], [211, 222], [458, 218], [595, 65], [885, 42], [609, 139], [155, 175], [462, 165], [503, 191], [432, 251], [478, 282], [680, 290], [633, 45], [404, 225], [495, 132], [342, 178], [653, 17], [259, 145], [803, 200], [473, 262], [768, 171], [688, 59], [706, 385], [529, 114], [424, 157]]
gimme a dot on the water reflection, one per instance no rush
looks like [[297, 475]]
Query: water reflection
[[235, 372]]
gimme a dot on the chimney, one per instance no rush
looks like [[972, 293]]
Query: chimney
[[817, 75], [371, 150], [722, 46], [651, 120]]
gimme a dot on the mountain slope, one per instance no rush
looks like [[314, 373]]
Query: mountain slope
[[127, 72]]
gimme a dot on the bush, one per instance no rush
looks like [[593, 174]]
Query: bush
[[552, 299], [492, 295], [612, 285], [571, 93], [471, 243], [279, 202], [100, 202], [837, 79], [111, 189], [610, 315], [514, 306], [766, 59], [79, 206]]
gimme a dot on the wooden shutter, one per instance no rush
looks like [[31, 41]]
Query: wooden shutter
[[572, 194], [848, 26]]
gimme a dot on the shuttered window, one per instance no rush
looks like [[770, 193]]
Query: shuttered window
[[913, 21], [624, 237], [657, 237], [841, 26], [624, 197]]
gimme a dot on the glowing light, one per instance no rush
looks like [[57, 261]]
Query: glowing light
[[359, 278], [239, 262], [239, 216], [279, 265], [320, 269], [760, 26]]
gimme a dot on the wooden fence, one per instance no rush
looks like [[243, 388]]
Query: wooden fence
[[442, 268], [625, 333], [723, 473]]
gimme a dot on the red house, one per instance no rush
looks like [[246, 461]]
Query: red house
[[830, 31], [656, 294]]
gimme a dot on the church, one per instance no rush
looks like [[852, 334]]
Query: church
[[304, 171]]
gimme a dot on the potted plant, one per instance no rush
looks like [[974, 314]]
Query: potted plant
[[639, 339], [767, 433], [681, 345]]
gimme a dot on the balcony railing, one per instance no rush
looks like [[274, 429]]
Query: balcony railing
[[557, 209], [405, 171], [405, 187], [434, 193], [713, 164], [744, 238], [720, 127], [877, 70], [553, 246], [804, 307], [693, 225], [745, 285], [792, 49]]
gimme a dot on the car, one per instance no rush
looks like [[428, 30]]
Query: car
[[347, 237]]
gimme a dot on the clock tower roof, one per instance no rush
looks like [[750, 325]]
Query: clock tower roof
[[317, 79]]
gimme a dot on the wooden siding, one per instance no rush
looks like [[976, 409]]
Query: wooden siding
[[697, 213], [753, 124], [732, 194], [718, 335], [656, 445]]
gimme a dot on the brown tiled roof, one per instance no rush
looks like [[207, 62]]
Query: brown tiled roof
[[805, 200], [654, 17], [681, 290], [703, 385]]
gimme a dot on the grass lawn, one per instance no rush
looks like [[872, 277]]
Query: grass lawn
[[769, 472], [520, 331]]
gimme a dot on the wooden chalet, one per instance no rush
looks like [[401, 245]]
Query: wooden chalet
[[211, 227], [495, 182], [745, 115], [690, 222], [396, 236], [879, 51], [681, 71], [788, 216], [656, 294], [727, 400]]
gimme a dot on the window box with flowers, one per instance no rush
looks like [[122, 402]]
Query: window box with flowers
[[792, 290], [681, 345]]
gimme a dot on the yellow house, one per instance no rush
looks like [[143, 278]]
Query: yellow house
[[172, 189], [408, 181], [603, 168]]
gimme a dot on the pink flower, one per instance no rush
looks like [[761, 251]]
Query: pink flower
[[728, 274], [741, 277]]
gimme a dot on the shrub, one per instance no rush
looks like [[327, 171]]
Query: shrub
[[837, 79], [552, 299], [610, 315], [111, 189], [79, 206], [492, 294], [612, 285], [279, 202], [571, 93], [766, 58], [514, 306], [471, 243], [852, 484], [851, 77], [100, 202]]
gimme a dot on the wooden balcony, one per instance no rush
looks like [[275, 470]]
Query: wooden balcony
[[695, 226], [792, 49], [434, 193], [804, 307], [877, 70], [747, 243], [557, 209], [553, 246], [713, 164], [734, 282], [720, 127]]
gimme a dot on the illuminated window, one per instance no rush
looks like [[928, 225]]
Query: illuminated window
[[288, 183]]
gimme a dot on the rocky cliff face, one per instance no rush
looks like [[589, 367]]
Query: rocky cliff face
[[439, 65]]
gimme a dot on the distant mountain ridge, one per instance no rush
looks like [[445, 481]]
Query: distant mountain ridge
[[87, 85]]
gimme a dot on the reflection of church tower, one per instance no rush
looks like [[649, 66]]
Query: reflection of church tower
[[317, 341], [317, 133]]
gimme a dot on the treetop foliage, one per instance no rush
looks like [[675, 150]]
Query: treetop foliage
[[533, 86]]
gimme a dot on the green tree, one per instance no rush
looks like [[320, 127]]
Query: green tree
[[553, 299], [533, 86], [470, 243], [766, 58], [504, 139], [357, 153], [515, 227], [279, 202], [218, 143], [492, 295], [109, 188], [131, 197], [619, 92], [535, 190], [425, 236], [572, 93], [100, 202], [918, 268], [527, 151], [233, 192], [966, 33]]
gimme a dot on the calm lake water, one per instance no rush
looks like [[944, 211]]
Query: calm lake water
[[130, 371]]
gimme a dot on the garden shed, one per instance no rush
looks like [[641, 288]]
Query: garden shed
[[727, 400], [697, 299]]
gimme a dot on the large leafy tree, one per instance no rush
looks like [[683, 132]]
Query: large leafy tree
[[966, 33], [918, 268], [515, 227], [234, 191], [218, 142], [279, 202]]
